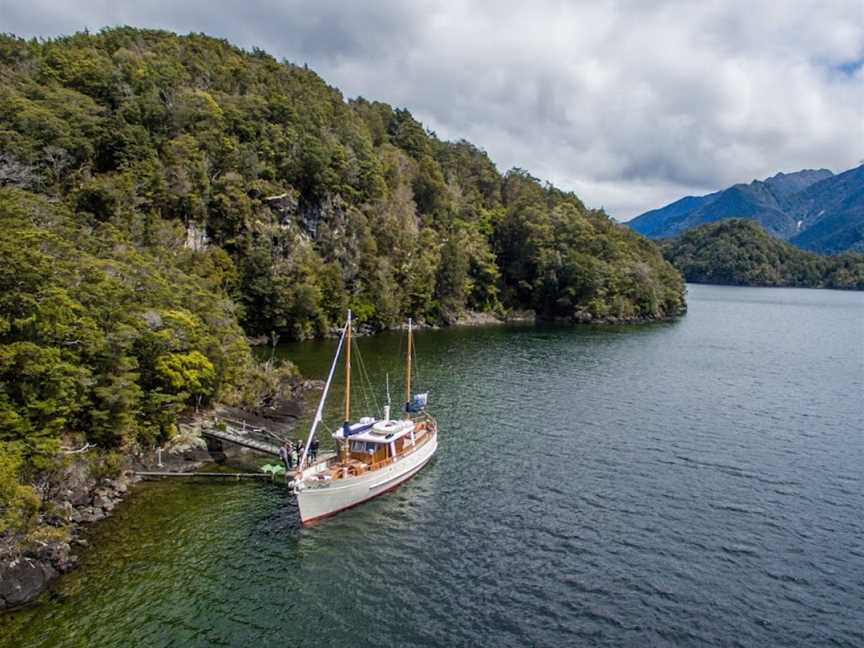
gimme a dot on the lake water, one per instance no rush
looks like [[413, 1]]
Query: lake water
[[691, 483]]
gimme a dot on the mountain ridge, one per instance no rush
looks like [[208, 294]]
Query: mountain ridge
[[787, 205]]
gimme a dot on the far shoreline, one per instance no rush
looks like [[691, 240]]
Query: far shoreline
[[479, 320], [819, 288]]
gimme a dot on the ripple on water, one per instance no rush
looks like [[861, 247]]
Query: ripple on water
[[695, 483]]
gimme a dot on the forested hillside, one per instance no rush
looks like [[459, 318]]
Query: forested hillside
[[163, 195], [739, 252], [320, 203]]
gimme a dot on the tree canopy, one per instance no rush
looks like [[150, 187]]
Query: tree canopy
[[318, 203], [739, 252], [101, 336]]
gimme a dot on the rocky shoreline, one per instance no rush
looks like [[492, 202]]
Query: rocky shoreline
[[26, 569], [28, 566], [77, 498]]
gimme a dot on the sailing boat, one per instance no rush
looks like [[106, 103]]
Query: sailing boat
[[375, 455]]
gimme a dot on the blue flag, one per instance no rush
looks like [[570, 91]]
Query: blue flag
[[418, 404]]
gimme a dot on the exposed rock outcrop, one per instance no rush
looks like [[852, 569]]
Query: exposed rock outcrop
[[28, 565], [23, 579]]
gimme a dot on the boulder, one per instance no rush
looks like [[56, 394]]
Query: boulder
[[57, 554], [91, 514], [81, 494], [521, 316], [23, 580], [102, 499]]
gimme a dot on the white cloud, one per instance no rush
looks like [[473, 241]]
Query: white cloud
[[631, 103]]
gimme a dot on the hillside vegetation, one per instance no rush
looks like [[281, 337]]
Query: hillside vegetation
[[105, 343], [320, 203], [740, 252], [163, 196]]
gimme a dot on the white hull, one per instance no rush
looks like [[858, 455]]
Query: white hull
[[328, 498]]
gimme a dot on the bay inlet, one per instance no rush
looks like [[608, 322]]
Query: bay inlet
[[696, 482]]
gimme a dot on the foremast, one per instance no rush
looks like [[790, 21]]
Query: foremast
[[408, 373], [343, 446]]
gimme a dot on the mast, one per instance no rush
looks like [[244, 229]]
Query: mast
[[319, 413], [346, 425], [408, 374], [387, 406], [348, 373]]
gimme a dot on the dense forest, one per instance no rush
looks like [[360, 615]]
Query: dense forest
[[105, 343], [739, 252], [163, 196]]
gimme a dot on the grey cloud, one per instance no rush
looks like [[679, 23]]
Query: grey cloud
[[630, 103]]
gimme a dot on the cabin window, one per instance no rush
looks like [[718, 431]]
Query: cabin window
[[362, 446]]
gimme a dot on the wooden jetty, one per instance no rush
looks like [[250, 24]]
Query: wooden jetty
[[237, 432], [149, 474], [239, 435]]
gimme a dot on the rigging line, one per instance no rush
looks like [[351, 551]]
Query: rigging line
[[366, 379], [362, 376], [329, 432], [319, 413], [415, 366], [371, 387], [403, 351]]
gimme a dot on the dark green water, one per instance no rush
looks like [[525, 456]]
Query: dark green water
[[693, 483]]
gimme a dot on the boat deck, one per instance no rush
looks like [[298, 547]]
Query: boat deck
[[333, 469]]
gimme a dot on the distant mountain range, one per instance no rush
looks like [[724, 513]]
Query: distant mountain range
[[812, 209]]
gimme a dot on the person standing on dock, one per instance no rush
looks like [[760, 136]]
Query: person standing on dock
[[294, 457], [313, 449], [285, 455]]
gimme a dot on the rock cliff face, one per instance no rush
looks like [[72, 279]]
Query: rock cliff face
[[28, 566]]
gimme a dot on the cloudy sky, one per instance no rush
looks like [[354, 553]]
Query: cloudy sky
[[630, 103]]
